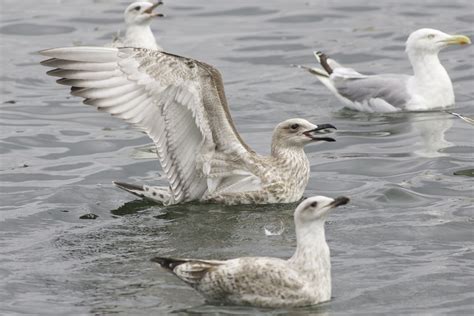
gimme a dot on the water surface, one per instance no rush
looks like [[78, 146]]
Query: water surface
[[403, 246]]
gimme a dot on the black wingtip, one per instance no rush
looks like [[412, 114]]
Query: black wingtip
[[167, 263], [48, 62], [127, 186], [54, 72], [323, 60], [89, 101], [64, 82]]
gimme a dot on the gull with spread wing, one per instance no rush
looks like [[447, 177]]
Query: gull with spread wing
[[180, 104], [428, 88], [304, 279]]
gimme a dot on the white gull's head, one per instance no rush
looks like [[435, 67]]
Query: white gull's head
[[316, 208], [298, 132], [141, 12], [431, 41]]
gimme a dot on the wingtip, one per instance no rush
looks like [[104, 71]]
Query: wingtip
[[47, 62], [167, 263], [127, 186], [81, 53], [316, 54], [43, 52], [63, 81], [55, 72], [49, 52]]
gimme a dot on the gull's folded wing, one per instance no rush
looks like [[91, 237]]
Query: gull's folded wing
[[379, 93]]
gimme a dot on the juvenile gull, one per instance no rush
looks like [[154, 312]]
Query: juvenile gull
[[304, 279], [138, 17], [429, 88], [180, 104]]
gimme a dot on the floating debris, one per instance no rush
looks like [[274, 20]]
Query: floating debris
[[465, 172], [88, 216]]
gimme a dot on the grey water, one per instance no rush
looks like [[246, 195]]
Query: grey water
[[403, 246]]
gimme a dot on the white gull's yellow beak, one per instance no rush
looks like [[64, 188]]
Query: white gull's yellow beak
[[457, 40]]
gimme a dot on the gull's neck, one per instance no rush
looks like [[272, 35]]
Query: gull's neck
[[426, 65], [292, 165], [293, 157], [431, 80], [140, 35], [310, 244], [312, 258], [287, 152]]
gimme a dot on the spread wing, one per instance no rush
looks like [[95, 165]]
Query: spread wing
[[179, 102]]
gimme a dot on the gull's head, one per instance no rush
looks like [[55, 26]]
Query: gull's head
[[431, 41], [298, 132], [316, 208], [141, 12]]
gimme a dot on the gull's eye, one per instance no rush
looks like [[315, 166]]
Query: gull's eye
[[431, 36], [137, 8], [295, 126], [314, 204]]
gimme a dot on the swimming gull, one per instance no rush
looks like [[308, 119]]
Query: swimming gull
[[138, 17], [304, 279], [180, 104], [429, 88]]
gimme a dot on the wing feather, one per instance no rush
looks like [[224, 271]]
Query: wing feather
[[386, 93], [101, 83]]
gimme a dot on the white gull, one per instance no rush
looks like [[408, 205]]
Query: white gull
[[429, 88], [304, 279], [180, 104], [138, 17]]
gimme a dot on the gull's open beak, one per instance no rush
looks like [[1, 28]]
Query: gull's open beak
[[321, 129], [457, 40], [150, 9], [341, 200]]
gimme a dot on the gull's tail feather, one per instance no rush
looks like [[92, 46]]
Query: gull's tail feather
[[156, 194]]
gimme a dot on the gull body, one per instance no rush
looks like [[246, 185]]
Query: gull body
[[180, 104], [304, 279], [428, 88], [138, 17]]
